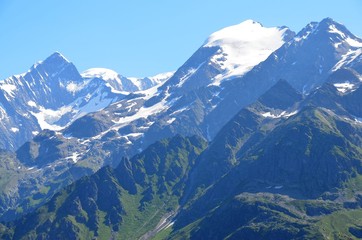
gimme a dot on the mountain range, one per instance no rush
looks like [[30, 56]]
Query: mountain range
[[52, 94], [257, 134]]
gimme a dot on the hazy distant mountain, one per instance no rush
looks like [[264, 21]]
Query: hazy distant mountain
[[52, 94], [128, 84]]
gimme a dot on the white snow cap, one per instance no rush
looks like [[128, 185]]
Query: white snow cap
[[244, 46], [103, 73]]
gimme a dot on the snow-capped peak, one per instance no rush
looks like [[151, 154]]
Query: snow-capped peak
[[103, 73], [347, 45], [335, 32], [234, 34], [342, 32], [115, 81], [243, 46]]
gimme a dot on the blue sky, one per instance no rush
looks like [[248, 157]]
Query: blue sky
[[142, 37]]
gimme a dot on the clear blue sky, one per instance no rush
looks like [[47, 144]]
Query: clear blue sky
[[142, 37]]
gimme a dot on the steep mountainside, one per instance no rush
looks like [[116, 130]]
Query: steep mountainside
[[286, 167], [283, 171], [123, 203]]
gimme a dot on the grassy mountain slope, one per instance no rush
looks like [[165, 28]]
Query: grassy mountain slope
[[124, 203]]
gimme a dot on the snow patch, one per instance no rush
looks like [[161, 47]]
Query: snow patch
[[336, 45], [359, 120], [73, 87], [189, 73], [333, 29], [347, 58], [143, 112], [180, 110], [344, 87], [8, 88], [14, 129], [32, 104], [3, 114], [171, 120], [134, 135], [283, 114], [348, 39], [353, 42], [74, 157], [47, 117]]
